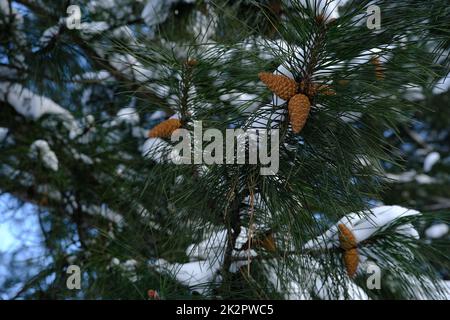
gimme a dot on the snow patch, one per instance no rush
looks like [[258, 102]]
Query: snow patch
[[3, 133], [40, 149], [437, 231], [128, 116], [313, 279], [29, 104], [48, 35], [91, 28], [155, 149], [94, 75], [208, 259], [129, 65], [442, 85], [430, 160], [364, 224], [159, 114], [410, 176], [157, 11]]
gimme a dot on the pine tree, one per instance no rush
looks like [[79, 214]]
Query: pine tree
[[86, 120]]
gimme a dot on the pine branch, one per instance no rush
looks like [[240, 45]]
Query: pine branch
[[99, 62]]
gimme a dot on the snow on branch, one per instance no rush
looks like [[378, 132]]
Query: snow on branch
[[312, 279], [157, 11], [206, 261], [29, 104], [365, 224], [40, 149]]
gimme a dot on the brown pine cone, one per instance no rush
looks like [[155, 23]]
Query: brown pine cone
[[351, 260], [308, 89], [379, 70], [299, 107], [282, 86], [165, 128], [191, 62], [313, 88], [325, 89], [268, 243], [346, 238]]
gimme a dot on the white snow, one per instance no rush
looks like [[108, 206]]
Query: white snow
[[351, 116], [408, 230], [427, 289], [311, 279], [3, 133], [175, 116], [161, 90], [430, 160], [81, 157], [40, 149], [157, 11], [50, 191], [94, 75], [128, 268], [155, 149], [328, 8], [266, 117], [125, 33], [413, 93], [91, 28], [364, 224], [4, 7], [198, 275], [105, 212], [159, 114], [114, 262], [206, 260], [128, 116], [239, 99], [204, 27], [424, 179], [48, 35], [442, 85], [437, 231], [130, 66], [410, 176], [29, 104], [381, 52], [103, 4]]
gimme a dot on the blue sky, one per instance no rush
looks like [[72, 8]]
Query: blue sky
[[19, 232]]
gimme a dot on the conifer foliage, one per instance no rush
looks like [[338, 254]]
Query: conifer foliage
[[90, 121]]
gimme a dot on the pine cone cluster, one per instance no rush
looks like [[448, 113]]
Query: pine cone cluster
[[165, 128], [298, 95], [348, 242]]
